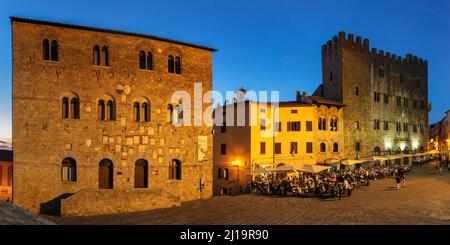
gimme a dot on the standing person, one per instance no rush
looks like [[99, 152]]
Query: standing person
[[398, 179], [402, 173]]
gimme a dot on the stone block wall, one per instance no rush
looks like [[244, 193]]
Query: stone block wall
[[42, 138]]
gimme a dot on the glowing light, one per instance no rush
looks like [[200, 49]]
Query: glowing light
[[235, 163], [388, 144], [415, 145], [402, 146]]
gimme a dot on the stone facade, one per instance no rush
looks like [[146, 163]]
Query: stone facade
[[379, 90], [43, 138]]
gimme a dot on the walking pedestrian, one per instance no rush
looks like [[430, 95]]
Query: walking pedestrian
[[398, 180]]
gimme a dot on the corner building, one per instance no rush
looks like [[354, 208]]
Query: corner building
[[385, 97], [93, 120]]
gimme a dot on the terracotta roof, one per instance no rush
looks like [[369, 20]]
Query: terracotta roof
[[95, 29]]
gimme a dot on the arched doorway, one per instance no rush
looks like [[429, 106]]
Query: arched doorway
[[105, 174], [377, 151], [141, 174]]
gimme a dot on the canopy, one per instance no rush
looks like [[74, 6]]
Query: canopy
[[312, 169], [434, 152]]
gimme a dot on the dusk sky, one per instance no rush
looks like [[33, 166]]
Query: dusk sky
[[263, 45]]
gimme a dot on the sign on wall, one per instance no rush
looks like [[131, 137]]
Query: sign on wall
[[202, 148]]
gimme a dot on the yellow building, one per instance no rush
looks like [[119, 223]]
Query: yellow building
[[303, 132]]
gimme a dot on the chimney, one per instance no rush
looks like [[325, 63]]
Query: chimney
[[298, 96]]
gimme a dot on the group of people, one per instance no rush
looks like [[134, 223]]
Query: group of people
[[330, 183]]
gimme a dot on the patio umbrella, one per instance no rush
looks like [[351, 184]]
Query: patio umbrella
[[312, 169], [258, 171], [434, 152], [282, 169]]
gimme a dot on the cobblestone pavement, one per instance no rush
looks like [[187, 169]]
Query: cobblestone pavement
[[425, 200]]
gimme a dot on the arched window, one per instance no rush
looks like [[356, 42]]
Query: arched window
[[111, 110], [45, 50], [65, 108], [323, 147], [75, 108], [142, 60], [333, 125], [177, 65], [96, 55], [324, 124], [335, 147], [146, 111], [376, 151], [406, 150], [170, 64], [137, 112], [175, 170], [105, 56], [141, 174], [105, 174], [170, 116], [101, 110], [69, 170], [149, 61], [54, 51]]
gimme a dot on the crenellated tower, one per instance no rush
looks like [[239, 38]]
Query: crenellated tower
[[377, 87]]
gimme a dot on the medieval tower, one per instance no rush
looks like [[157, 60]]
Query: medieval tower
[[385, 96]]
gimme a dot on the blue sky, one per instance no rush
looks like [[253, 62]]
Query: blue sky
[[263, 45]]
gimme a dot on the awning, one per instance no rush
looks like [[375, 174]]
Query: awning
[[434, 152], [312, 169]]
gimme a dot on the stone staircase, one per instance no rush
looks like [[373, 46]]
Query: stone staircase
[[89, 202]]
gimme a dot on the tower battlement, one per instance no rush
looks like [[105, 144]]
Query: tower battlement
[[349, 41]]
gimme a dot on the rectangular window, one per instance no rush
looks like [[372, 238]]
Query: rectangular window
[[277, 148], [386, 126], [223, 128], [225, 173], [278, 127], [376, 124], [293, 126], [309, 125], [357, 125], [405, 127], [309, 147], [10, 175], [294, 111], [223, 149], [219, 173], [294, 149], [358, 146], [263, 124], [405, 102], [399, 100], [386, 99], [263, 148]]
